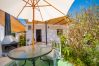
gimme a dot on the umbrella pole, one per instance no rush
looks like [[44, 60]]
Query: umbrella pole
[[33, 24]]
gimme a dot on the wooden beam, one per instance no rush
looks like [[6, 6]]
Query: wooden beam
[[63, 23], [66, 22], [58, 22]]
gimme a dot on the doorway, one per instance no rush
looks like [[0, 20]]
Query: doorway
[[38, 35]]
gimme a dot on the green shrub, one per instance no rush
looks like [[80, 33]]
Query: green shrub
[[81, 46], [22, 40]]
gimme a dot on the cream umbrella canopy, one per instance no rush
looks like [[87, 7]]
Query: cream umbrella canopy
[[32, 10]]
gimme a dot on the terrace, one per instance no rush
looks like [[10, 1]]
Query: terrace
[[62, 41]]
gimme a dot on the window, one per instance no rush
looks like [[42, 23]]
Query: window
[[29, 27], [59, 32]]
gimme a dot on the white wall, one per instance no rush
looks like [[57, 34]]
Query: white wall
[[0, 49], [1, 32], [1, 37], [17, 36], [51, 32]]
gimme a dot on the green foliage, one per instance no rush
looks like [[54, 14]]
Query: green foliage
[[22, 41], [13, 34], [82, 45]]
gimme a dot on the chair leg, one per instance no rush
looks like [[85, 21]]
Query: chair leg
[[48, 61], [17, 63], [24, 63], [55, 62], [12, 64]]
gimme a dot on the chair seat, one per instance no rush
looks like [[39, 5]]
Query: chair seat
[[4, 61], [50, 56]]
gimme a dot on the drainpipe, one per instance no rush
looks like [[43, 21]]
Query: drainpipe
[[46, 31]]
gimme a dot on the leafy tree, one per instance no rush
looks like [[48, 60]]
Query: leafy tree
[[22, 41], [81, 47]]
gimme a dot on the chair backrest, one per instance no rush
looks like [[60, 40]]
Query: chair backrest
[[57, 49], [56, 52]]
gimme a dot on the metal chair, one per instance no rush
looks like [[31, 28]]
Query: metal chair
[[55, 55]]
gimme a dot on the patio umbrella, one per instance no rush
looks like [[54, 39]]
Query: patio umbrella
[[32, 10]]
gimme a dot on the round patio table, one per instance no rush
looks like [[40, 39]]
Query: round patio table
[[28, 53]]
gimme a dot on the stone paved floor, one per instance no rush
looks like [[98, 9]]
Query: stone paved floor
[[4, 61]]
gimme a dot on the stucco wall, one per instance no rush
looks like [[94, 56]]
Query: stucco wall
[[1, 37], [51, 32], [1, 32]]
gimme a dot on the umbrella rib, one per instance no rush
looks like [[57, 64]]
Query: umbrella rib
[[27, 2], [39, 6], [55, 8], [31, 1], [37, 2], [40, 12], [23, 8]]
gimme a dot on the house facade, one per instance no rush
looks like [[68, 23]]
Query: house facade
[[53, 28], [40, 32]]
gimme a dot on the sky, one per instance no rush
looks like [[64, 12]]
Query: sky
[[23, 21], [78, 4]]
